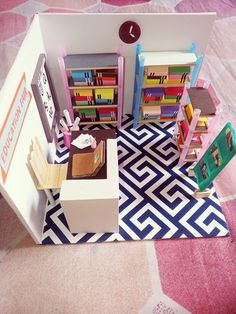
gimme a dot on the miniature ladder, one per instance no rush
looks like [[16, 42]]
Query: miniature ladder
[[189, 137], [183, 102]]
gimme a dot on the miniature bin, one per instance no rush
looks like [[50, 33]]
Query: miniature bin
[[66, 138]]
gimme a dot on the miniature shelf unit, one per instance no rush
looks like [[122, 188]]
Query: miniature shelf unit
[[160, 78], [196, 119], [94, 87]]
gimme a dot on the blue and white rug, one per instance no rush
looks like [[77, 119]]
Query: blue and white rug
[[156, 196]]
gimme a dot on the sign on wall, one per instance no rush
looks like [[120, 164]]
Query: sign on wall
[[217, 156], [12, 126]]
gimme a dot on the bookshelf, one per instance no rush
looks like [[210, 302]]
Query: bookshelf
[[159, 83], [197, 116], [94, 87]]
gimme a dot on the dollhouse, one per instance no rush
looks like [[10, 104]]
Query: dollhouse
[[95, 79]]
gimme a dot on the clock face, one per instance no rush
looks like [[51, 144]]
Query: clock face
[[129, 32]]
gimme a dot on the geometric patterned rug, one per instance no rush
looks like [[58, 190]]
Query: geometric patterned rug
[[156, 196]]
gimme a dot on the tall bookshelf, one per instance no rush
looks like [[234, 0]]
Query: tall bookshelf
[[159, 83], [94, 87]]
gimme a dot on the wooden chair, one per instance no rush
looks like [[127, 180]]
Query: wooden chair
[[49, 176]]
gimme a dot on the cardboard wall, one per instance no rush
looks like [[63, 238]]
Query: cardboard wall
[[19, 188], [98, 33]]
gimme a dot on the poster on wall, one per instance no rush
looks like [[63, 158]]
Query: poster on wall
[[217, 156], [11, 128], [45, 97]]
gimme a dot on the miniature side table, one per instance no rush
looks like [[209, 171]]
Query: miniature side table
[[91, 204]]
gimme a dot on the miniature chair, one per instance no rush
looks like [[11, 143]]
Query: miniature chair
[[49, 176]]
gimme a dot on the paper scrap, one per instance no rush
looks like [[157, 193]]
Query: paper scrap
[[82, 141]]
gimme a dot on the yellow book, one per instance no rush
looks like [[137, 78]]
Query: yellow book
[[155, 81], [106, 93], [189, 113], [83, 92], [105, 119], [168, 101]]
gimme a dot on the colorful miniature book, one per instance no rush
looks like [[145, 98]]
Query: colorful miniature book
[[159, 70], [87, 113], [200, 98], [169, 111], [179, 69], [107, 114]]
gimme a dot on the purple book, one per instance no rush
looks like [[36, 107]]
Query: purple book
[[153, 92], [169, 110]]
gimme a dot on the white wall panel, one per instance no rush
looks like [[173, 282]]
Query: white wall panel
[[98, 33]]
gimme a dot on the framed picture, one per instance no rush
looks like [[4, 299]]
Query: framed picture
[[45, 97]]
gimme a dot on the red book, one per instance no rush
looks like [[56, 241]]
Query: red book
[[174, 91], [106, 110], [82, 98]]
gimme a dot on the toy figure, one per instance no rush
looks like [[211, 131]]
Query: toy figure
[[229, 138], [204, 170], [216, 155]]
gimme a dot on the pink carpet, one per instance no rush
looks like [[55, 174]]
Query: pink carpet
[[169, 276]]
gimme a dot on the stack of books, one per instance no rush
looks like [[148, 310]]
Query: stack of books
[[156, 75], [202, 120], [104, 96], [83, 97], [105, 77], [151, 112], [107, 114], [196, 138], [153, 94], [169, 112], [87, 114], [203, 99], [178, 74], [82, 77], [173, 94]]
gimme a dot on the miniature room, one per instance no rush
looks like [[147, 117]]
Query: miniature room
[[117, 149], [118, 119]]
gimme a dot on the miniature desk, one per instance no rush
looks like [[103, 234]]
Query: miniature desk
[[91, 204]]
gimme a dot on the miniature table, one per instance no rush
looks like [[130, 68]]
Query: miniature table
[[91, 204]]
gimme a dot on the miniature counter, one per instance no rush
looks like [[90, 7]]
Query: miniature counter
[[91, 205]]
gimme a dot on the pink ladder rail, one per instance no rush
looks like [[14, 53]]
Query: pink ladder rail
[[188, 140], [207, 137], [183, 102]]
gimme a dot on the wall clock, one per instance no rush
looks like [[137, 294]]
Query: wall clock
[[129, 32], [45, 97]]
